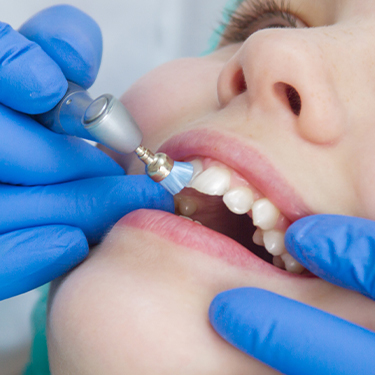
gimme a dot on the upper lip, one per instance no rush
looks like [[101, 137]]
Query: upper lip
[[243, 158]]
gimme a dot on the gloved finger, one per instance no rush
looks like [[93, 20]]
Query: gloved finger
[[71, 38], [93, 205], [339, 249], [33, 155], [30, 80], [291, 337], [32, 257]]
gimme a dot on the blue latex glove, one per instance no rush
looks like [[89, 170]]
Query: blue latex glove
[[58, 194], [292, 337]]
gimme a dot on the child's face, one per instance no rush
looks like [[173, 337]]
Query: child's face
[[291, 114]]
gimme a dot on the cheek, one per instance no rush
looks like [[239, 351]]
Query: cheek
[[169, 97], [362, 164]]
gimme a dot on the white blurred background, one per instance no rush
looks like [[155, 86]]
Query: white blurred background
[[138, 36]]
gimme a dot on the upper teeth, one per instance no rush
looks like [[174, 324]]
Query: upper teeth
[[197, 169], [213, 181], [265, 214], [240, 200]]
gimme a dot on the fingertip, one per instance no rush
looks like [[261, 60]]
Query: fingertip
[[154, 195], [299, 236], [31, 82], [165, 200], [217, 309], [44, 85], [228, 304], [234, 315], [108, 199], [71, 38]]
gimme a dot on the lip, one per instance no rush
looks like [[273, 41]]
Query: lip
[[254, 167], [195, 237], [245, 159]]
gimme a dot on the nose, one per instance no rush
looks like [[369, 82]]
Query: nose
[[286, 70]]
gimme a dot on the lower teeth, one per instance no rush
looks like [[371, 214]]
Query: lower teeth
[[274, 242], [291, 264], [278, 262]]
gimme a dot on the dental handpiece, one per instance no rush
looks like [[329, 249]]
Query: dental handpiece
[[106, 120]]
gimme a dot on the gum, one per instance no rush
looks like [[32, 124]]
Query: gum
[[236, 179]]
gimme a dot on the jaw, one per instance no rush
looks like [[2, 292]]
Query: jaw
[[116, 310], [152, 314]]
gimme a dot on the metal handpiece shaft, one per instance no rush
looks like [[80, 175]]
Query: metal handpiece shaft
[[104, 120]]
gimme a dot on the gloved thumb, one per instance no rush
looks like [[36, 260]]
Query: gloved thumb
[[32, 257], [339, 249]]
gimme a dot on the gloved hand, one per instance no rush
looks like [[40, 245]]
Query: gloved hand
[[57, 193], [292, 337]]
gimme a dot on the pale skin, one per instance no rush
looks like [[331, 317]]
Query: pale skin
[[139, 304]]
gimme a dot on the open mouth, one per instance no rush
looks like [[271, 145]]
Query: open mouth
[[222, 200]]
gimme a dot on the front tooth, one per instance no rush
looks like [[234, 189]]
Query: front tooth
[[239, 200], [197, 170], [274, 242], [291, 264], [265, 214], [213, 181]]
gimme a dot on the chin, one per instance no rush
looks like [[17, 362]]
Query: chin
[[139, 304]]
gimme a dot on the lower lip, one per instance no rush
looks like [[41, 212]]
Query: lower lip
[[199, 238]]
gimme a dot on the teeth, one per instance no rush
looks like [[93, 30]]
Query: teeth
[[190, 219], [216, 181], [265, 214], [278, 262], [258, 237], [187, 206], [274, 242], [213, 181], [186, 217], [239, 200], [291, 264], [197, 170]]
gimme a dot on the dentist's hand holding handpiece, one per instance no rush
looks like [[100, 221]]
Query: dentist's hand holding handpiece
[[58, 194]]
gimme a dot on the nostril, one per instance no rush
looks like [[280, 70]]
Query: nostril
[[294, 99], [239, 83]]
